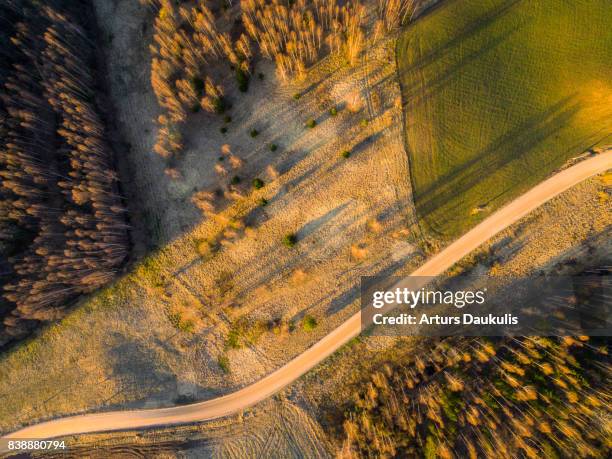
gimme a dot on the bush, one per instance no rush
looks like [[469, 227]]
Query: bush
[[364, 122], [224, 364], [223, 130], [233, 339], [333, 111], [198, 85], [290, 240], [177, 320], [429, 452], [261, 76], [187, 326], [195, 108], [263, 202], [297, 96], [254, 133], [218, 105], [221, 158], [235, 180], [258, 183], [273, 147], [309, 323], [311, 123], [346, 153], [204, 247], [243, 80], [227, 119], [244, 331]]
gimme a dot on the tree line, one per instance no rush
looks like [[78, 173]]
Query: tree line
[[63, 229]]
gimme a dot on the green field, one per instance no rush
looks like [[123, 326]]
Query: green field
[[498, 94]]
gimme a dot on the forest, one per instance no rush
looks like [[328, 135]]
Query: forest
[[514, 397], [63, 226]]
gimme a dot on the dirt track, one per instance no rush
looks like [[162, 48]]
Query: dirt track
[[254, 393]]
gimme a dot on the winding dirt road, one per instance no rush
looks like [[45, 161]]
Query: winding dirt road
[[274, 382]]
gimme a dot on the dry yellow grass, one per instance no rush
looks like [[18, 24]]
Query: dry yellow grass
[[276, 429], [157, 335]]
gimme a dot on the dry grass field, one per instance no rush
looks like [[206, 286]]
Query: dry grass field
[[276, 429], [224, 301]]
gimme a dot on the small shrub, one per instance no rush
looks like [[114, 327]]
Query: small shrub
[[218, 105], [275, 326], [256, 330], [244, 331], [364, 122], [263, 202], [311, 123], [195, 108], [243, 80], [429, 452], [290, 240], [227, 119], [198, 85], [204, 247], [224, 363], [297, 96], [273, 147], [309, 323], [221, 158], [254, 133], [346, 153], [187, 326], [233, 340], [175, 318], [223, 130], [261, 76], [235, 180], [333, 111], [258, 183], [180, 323], [173, 173]]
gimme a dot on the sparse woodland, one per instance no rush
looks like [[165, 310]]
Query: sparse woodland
[[194, 39], [187, 42], [475, 397], [63, 226]]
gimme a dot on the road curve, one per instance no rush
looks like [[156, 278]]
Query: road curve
[[274, 382]]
